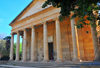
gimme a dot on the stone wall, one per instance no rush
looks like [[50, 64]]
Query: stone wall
[[85, 44], [66, 38], [84, 41]]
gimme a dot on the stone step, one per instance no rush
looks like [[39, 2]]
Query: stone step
[[3, 62], [56, 65], [11, 66], [43, 64]]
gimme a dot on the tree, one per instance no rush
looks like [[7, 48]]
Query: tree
[[8, 39], [84, 9], [4, 54], [20, 50], [2, 46]]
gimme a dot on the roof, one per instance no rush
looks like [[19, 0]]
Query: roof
[[21, 13]]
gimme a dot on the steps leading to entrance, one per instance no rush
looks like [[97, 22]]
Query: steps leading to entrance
[[3, 62], [56, 65], [43, 64]]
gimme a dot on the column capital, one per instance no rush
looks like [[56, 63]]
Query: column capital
[[33, 26], [56, 18], [45, 22], [12, 33], [18, 32]]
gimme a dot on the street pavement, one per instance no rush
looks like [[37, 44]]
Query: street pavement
[[50, 65], [12, 66]]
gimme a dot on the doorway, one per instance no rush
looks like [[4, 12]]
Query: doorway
[[51, 51]]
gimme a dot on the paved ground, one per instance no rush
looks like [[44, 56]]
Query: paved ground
[[11, 66]]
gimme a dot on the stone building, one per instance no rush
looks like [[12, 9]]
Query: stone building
[[45, 38]]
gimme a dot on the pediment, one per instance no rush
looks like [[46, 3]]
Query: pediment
[[36, 7]]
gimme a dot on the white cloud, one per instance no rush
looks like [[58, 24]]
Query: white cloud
[[2, 35]]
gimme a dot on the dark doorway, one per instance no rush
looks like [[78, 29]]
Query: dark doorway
[[51, 53]]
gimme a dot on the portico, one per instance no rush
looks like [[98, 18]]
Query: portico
[[46, 39]]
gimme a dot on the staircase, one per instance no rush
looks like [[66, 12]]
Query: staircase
[[68, 64], [45, 64]]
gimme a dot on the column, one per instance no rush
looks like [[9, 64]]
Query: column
[[95, 43], [75, 51], [22, 49], [11, 48], [24, 45], [33, 48], [17, 46], [58, 41], [45, 41]]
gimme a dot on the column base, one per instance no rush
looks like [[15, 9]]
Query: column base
[[33, 60], [10, 59], [76, 60], [96, 60], [23, 60], [59, 60], [16, 60], [45, 61]]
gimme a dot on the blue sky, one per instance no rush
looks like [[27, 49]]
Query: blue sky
[[9, 9]]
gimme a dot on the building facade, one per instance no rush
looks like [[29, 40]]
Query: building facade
[[45, 38]]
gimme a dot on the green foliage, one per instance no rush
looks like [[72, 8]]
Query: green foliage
[[20, 51], [85, 8], [65, 5], [8, 39], [3, 50]]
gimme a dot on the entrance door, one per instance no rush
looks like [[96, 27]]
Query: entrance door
[[50, 48]]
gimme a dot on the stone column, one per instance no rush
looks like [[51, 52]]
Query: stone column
[[75, 51], [95, 43], [58, 41], [24, 45], [22, 49], [45, 42], [17, 46], [33, 55], [11, 48]]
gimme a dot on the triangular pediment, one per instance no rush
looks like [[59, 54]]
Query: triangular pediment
[[34, 7]]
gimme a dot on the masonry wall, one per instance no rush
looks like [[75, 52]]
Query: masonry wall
[[85, 44], [84, 41], [66, 39]]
